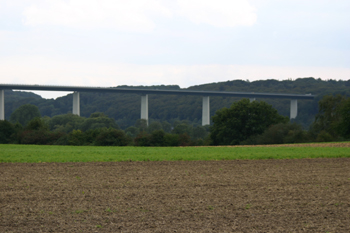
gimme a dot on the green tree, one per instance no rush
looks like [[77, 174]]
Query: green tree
[[143, 139], [329, 115], [166, 126], [98, 120], [333, 119], [76, 138], [6, 131], [97, 114], [157, 138], [37, 132], [171, 139], [182, 129], [279, 134], [132, 131], [24, 114], [141, 124], [343, 127], [37, 124], [200, 132], [242, 120], [112, 137], [66, 122], [154, 126]]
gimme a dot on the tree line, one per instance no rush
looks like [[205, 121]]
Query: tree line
[[243, 123], [254, 123], [26, 126]]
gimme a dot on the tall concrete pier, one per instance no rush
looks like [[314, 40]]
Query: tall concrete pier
[[206, 111], [293, 109], [2, 105], [76, 103], [144, 108]]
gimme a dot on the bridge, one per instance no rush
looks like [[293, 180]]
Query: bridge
[[144, 97]]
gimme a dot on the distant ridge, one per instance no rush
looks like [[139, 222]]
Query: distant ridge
[[125, 108]]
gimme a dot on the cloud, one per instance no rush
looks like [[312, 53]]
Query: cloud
[[137, 15], [219, 13], [131, 15], [49, 71]]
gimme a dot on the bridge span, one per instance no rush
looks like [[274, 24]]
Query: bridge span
[[144, 96]]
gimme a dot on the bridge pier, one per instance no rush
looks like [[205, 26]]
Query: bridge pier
[[206, 111], [144, 107], [2, 105], [293, 109], [76, 103], [251, 99]]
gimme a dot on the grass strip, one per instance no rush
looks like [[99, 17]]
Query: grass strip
[[39, 153]]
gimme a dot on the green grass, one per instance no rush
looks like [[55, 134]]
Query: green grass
[[37, 154]]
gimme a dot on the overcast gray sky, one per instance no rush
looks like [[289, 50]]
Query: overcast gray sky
[[184, 42]]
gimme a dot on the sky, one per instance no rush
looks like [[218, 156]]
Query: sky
[[166, 42]]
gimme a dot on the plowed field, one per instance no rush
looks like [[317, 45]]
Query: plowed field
[[305, 195]]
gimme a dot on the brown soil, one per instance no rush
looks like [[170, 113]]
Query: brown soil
[[309, 195]]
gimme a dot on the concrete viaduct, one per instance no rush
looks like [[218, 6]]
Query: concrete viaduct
[[144, 97]]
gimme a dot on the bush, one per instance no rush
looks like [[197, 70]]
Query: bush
[[6, 131], [171, 139], [185, 140], [132, 131], [279, 134], [98, 120], [182, 128], [24, 114], [324, 136], [143, 139], [296, 136], [157, 138], [65, 123], [111, 137], [39, 137], [76, 138], [62, 139], [37, 124]]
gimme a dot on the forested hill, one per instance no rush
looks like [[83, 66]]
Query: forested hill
[[125, 108]]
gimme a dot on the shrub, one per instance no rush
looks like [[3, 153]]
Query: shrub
[[324, 136], [184, 140], [142, 139], [6, 131], [171, 139], [38, 137], [279, 134], [111, 137], [157, 138], [76, 138], [37, 124]]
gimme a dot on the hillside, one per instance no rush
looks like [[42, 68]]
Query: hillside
[[125, 108]]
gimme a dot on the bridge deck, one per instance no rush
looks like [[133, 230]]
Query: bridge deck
[[152, 91]]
